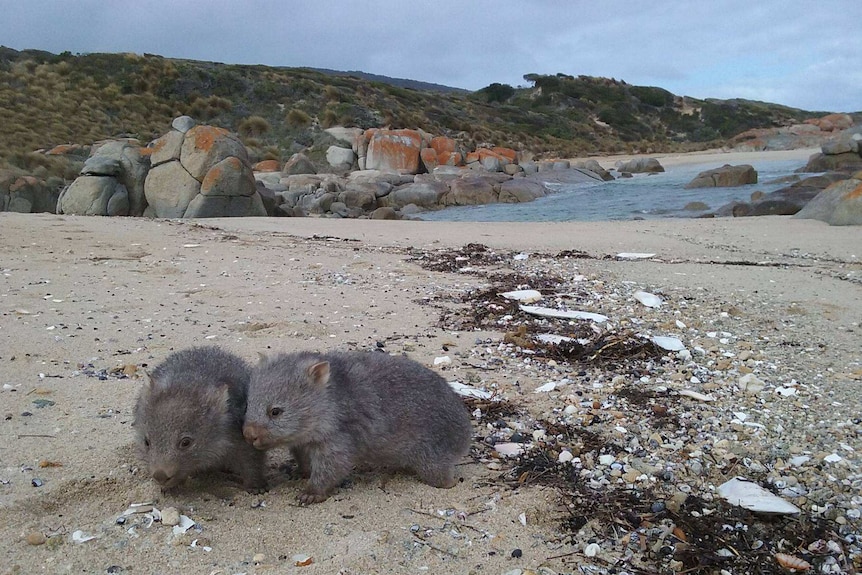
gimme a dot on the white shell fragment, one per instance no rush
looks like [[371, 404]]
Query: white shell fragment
[[465, 390], [634, 256], [565, 456], [751, 384], [81, 537], [832, 458], [443, 360], [509, 449], [743, 493], [302, 560], [696, 395], [592, 550], [563, 314], [184, 525], [523, 295], [550, 386], [553, 338], [668, 343], [647, 299]]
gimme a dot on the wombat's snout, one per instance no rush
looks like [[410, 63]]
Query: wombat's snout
[[167, 477], [256, 434]]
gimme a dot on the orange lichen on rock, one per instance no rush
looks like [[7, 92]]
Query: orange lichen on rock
[[205, 136], [267, 166], [507, 153]]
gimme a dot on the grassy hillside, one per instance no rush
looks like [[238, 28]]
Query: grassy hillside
[[50, 99]]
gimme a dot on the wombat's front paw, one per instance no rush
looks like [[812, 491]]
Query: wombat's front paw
[[256, 489], [309, 497]]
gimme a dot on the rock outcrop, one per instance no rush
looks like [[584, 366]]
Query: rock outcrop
[[843, 153], [838, 205], [726, 176], [640, 166], [28, 194], [111, 182], [393, 150], [200, 173]]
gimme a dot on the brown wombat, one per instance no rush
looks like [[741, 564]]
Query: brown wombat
[[340, 409], [189, 417]]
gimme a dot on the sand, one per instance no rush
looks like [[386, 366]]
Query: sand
[[84, 296], [713, 158]]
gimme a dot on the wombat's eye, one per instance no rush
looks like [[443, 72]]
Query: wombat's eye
[[185, 442], [275, 411]]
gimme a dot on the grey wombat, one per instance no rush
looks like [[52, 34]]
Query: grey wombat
[[189, 417], [337, 410]]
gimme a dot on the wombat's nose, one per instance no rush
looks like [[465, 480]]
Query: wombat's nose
[[254, 433], [161, 476]]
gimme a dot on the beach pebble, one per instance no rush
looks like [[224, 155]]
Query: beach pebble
[[258, 558], [36, 538], [170, 516], [592, 550], [565, 456]]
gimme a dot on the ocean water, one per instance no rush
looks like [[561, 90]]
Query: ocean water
[[641, 197]]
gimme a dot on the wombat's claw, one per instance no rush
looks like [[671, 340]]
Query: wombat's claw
[[309, 497]]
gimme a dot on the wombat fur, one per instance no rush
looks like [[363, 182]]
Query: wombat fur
[[189, 417], [340, 409]]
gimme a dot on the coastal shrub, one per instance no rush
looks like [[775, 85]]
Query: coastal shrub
[[329, 118], [253, 126], [296, 118], [497, 92]]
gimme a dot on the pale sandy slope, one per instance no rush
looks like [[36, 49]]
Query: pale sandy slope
[[79, 295]]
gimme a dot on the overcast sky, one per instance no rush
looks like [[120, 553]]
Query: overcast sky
[[794, 52]]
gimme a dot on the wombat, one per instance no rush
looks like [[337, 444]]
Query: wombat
[[189, 417], [340, 409]]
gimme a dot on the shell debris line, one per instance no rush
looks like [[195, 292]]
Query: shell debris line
[[642, 411]]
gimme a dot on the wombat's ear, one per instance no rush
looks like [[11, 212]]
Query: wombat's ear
[[219, 397], [150, 384], [319, 373]]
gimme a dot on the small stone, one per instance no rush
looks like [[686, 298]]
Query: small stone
[[170, 516], [36, 538], [751, 384], [517, 553], [258, 558], [565, 456], [606, 459]]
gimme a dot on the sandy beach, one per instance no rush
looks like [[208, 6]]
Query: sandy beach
[[712, 158], [89, 303]]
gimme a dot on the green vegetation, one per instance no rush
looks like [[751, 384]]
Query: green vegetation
[[49, 99]]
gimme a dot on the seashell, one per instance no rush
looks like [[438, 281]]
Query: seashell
[[550, 386], [696, 395], [647, 299], [592, 550], [81, 537], [751, 384], [634, 256], [465, 390], [748, 495], [668, 343], [184, 525], [302, 560], [509, 449], [792, 562], [523, 295], [563, 314]]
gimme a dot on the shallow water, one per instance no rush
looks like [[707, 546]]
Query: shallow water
[[641, 197]]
